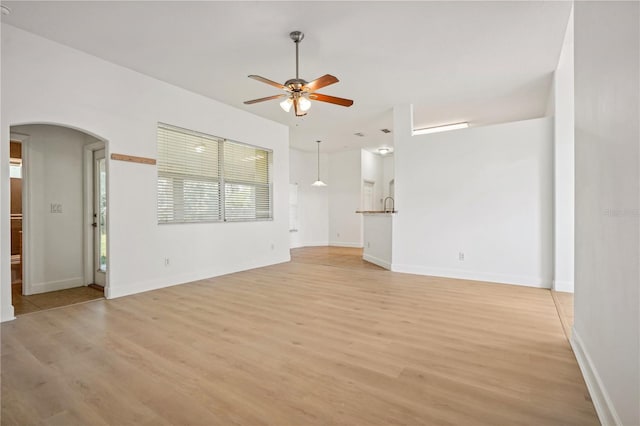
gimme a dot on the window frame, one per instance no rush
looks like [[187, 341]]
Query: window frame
[[220, 180]]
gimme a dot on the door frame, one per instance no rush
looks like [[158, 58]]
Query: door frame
[[26, 219], [89, 189]]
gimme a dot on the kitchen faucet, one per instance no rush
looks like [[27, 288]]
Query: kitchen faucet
[[384, 205]]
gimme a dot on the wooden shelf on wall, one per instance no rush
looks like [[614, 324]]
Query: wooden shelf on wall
[[133, 159]]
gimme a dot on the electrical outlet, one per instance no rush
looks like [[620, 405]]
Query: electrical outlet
[[461, 255], [166, 261], [273, 246], [338, 234], [368, 244]]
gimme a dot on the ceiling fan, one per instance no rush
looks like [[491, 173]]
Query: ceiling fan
[[299, 93]]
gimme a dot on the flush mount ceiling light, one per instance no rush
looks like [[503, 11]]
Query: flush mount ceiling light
[[384, 150], [318, 182], [5, 10], [443, 128], [300, 93]]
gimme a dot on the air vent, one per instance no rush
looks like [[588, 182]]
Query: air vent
[[359, 134], [385, 130]]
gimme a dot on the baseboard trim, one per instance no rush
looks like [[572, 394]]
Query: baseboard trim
[[48, 286], [377, 261], [8, 313], [599, 395], [343, 244], [316, 244], [565, 286], [460, 274]]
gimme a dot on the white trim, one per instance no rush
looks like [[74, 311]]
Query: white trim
[[599, 395], [565, 286], [343, 244], [87, 234], [316, 244], [27, 252], [377, 261], [523, 280], [88, 201], [9, 315], [311, 244], [45, 287]]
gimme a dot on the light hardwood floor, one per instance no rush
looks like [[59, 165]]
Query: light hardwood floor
[[310, 342]]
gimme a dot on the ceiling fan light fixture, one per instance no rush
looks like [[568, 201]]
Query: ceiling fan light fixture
[[286, 104], [300, 93], [304, 103]]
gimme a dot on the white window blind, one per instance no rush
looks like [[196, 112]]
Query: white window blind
[[247, 188], [192, 169]]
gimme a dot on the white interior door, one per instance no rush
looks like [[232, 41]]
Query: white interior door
[[99, 218], [367, 195]]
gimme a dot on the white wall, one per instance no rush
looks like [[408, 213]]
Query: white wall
[[607, 273], [485, 191], [387, 173], [313, 201], [45, 82], [372, 171], [54, 164], [378, 238], [345, 182], [564, 166]]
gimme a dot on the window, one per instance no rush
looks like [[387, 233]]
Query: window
[[203, 178]]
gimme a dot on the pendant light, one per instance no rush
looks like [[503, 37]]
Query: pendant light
[[318, 182]]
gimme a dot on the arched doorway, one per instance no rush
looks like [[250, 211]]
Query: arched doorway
[[62, 247]]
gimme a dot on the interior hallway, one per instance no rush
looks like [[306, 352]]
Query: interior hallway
[[312, 341]]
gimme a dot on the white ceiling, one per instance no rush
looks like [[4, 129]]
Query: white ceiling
[[482, 62]]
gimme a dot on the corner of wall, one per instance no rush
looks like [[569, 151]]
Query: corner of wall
[[8, 313], [565, 286], [599, 395]]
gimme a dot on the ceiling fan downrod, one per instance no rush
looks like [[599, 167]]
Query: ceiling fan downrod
[[297, 37]]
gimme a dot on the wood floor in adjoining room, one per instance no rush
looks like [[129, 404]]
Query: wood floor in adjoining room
[[53, 299], [299, 343]]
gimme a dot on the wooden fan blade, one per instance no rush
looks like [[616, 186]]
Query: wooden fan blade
[[268, 98], [319, 83], [270, 82], [331, 99]]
